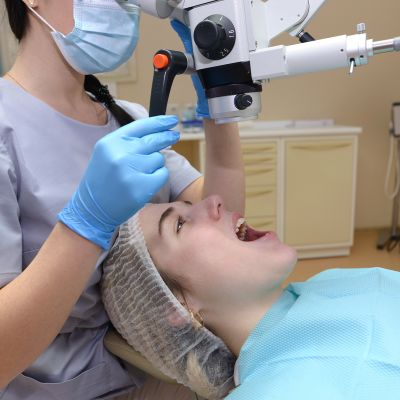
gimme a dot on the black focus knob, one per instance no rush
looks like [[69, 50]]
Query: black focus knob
[[209, 35], [243, 101], [215, 37]]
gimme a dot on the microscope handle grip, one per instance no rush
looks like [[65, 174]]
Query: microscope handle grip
[[167, 64]]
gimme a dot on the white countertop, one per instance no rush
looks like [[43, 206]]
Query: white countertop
[[268, 133]]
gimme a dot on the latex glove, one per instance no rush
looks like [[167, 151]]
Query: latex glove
[[202, 104], [125, 171]]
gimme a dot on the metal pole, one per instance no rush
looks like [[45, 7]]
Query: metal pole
[[396, 203]]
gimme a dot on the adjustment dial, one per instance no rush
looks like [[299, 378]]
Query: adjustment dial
[[243, 101], [215, 37]]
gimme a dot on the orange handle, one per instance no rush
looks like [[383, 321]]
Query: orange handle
[[160, 61]]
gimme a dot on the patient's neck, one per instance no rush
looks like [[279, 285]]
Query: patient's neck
[[233, 323]]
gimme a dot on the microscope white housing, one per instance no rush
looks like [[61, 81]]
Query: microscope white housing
[[233, 54]]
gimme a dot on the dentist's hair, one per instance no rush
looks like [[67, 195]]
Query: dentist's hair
[[18, 17]]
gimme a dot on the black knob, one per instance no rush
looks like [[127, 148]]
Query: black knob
[[243, 101], [209, 35], [215, 37]]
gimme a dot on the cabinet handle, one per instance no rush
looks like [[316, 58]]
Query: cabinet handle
[[259, 171], [319, 147], [259, 193], [262, 224], [257, 149], [258, 160]]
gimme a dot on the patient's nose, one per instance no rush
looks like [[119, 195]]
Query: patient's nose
[[210, 208], [214, 206]]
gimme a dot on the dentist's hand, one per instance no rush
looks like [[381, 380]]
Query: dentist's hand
[[202, 103], [125, 171]]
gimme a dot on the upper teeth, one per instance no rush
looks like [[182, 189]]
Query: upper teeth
[[241, 228]]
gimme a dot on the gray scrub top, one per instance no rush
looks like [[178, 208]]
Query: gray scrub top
[[43, 155]]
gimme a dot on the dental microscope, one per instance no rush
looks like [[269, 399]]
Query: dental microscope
[[233, 55]]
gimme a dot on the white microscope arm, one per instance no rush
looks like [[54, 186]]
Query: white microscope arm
[[157, 8], [277, 16], [314, 6], [319, 55]]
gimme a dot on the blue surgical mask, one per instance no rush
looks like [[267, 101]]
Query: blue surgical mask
[[104, 37]]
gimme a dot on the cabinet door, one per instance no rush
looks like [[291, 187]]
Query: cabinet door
[[262, 223], [260, 201], [259, 159], [259, 163], [319, 191]]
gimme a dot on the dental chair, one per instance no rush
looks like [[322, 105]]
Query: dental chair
[[118, 346]]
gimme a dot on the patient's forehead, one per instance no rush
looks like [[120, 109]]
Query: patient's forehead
[[149, 217]]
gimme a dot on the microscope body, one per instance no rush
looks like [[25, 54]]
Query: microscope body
[[233, 55]]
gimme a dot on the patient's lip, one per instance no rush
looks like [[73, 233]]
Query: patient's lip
[[270, 235], [235, 217]]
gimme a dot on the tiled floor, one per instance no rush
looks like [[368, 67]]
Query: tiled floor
[[363, 254]]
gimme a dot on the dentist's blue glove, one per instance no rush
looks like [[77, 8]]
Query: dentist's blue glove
[[125, 171], [202, 104]]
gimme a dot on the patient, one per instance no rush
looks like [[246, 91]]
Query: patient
[[335, 336]]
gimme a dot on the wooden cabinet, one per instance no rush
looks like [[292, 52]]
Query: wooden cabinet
[[260, 167], [319, 182], [302, 186]]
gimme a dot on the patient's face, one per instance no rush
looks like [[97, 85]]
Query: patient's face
[[197, 246]]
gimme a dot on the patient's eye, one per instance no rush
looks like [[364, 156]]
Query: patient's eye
[[179, 224]]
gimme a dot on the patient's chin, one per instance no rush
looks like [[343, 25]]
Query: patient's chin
[[290, 257]]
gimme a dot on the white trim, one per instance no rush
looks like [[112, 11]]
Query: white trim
[[334, 252], [285, 133], [280, 188]]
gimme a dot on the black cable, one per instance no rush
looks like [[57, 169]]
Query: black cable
[[305, 37]]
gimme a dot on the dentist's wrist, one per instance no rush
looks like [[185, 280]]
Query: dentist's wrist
[[77, 216]]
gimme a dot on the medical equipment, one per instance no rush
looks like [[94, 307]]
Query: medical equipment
[[396, 120], [104, 36], [233, 55], [392, 239]]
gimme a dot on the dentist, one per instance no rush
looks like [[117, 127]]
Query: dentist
[[74, 165]]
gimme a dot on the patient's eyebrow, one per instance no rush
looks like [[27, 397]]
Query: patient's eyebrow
[[166, 213], [163, 217]]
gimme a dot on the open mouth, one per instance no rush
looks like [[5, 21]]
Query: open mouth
[[246, 233]]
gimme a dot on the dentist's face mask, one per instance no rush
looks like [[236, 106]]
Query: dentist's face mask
[[104, 37]]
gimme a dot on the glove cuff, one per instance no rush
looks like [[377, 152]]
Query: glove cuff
[[202, 109], [78, 218], [201, 113]]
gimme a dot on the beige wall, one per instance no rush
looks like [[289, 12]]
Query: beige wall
[[363, 99]]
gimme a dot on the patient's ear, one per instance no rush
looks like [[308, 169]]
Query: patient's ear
[[175, 318]]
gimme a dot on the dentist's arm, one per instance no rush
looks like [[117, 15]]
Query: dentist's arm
[[35, 305], [224, 169], [125, 171], [224, 172]]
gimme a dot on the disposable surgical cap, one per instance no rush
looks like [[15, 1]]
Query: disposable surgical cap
[[146, 313]]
